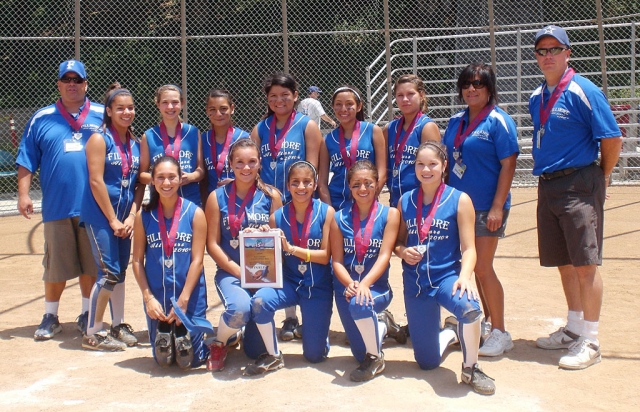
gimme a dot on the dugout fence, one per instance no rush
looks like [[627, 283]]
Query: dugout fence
[[200, 44]]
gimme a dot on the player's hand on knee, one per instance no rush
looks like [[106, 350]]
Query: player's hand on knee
[[465, 285]]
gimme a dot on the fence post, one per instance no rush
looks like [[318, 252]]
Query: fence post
[[415, 56], [369, 114], [77, 30], [387, 46], [492, 39], [519, 78], [183, 40], [603, 57], [285, 36]]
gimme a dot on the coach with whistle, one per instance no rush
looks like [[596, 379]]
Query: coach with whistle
[[572, 121], [54, 141]]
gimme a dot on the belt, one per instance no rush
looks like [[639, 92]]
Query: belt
[[562, 172]]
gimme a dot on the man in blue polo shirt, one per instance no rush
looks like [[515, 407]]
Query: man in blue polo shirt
[[54, 141], [572, 121]]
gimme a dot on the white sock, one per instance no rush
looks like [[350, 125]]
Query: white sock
[[99, 299], [268, 333], [116, 301], [382, 332], [575, 321], [224, 332], [51, 307], [469, 335], [446, 337], [290, 312], [590, 331], [367, 328], [85, 305]]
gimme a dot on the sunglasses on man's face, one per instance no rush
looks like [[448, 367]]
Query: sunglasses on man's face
[[477, 84], [74, 80], [553, 50]]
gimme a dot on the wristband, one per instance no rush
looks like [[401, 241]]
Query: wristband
[[149, 300], [132, 214], [308, 259]]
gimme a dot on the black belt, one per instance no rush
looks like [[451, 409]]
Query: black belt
[[561, 173]]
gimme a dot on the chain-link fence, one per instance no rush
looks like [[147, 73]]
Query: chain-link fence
[[201, 44]]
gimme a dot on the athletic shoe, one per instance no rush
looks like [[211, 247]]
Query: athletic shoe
[[478, 380], [163, 345], [234, 340], [371, 366], [393, 329], [49, 327], [288, 326], [263, 364], [102, 341], [582, 354], [184, 348], [124, 333], [496, 344], [82, 321], [297, 332], [452, 323], [217, 356], [560, 339]]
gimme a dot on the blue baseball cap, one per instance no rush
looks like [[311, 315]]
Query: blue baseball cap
[[314, 89], [556, 32], [72, 66]]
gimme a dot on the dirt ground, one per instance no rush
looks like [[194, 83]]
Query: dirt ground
[[58, 374]]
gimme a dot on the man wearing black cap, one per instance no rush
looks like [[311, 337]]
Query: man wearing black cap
[[54, 142], [572, 121], [312, 107]]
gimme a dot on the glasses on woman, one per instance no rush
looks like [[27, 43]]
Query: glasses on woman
[[477, 84], [553, 50]]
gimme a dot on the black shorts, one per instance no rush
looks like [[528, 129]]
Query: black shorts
[[570, 218]]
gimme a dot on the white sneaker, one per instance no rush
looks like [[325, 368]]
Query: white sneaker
[[582, 354], [560, 339], [496, 343]]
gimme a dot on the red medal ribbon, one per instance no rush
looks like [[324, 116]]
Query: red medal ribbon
[[75, 124], [362, 237], [220, 161], [168, 150], [169, 239], [300, 240], [461, 135], [126, 157], [236, 218], [546, 111], [403, 137], [351, 157], [423, 231], [276, 144]]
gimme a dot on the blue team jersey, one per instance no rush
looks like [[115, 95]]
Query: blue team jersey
[[442, 256], [338, 186], [120, 195], [579, 119], [405, 178], [167, 282], [188, 156], [315, 274], [344, 219], [49, 143], [210, 164], [494, 139], [257, 213], [274, 171]]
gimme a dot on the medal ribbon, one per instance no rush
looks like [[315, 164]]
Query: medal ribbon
[[423, 231], [276, 144], [362, 237], [220, 161], [126, 157], [349, 158], [169, 239], [301, 240], [403, 137], [235, 219], [461, 135], [546, 111], [75, 124], [168, 150]]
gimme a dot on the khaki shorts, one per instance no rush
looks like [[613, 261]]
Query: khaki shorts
[[67, 251]]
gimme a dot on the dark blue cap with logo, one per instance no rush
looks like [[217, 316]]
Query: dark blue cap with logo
[[314, 89], [556, 32]]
